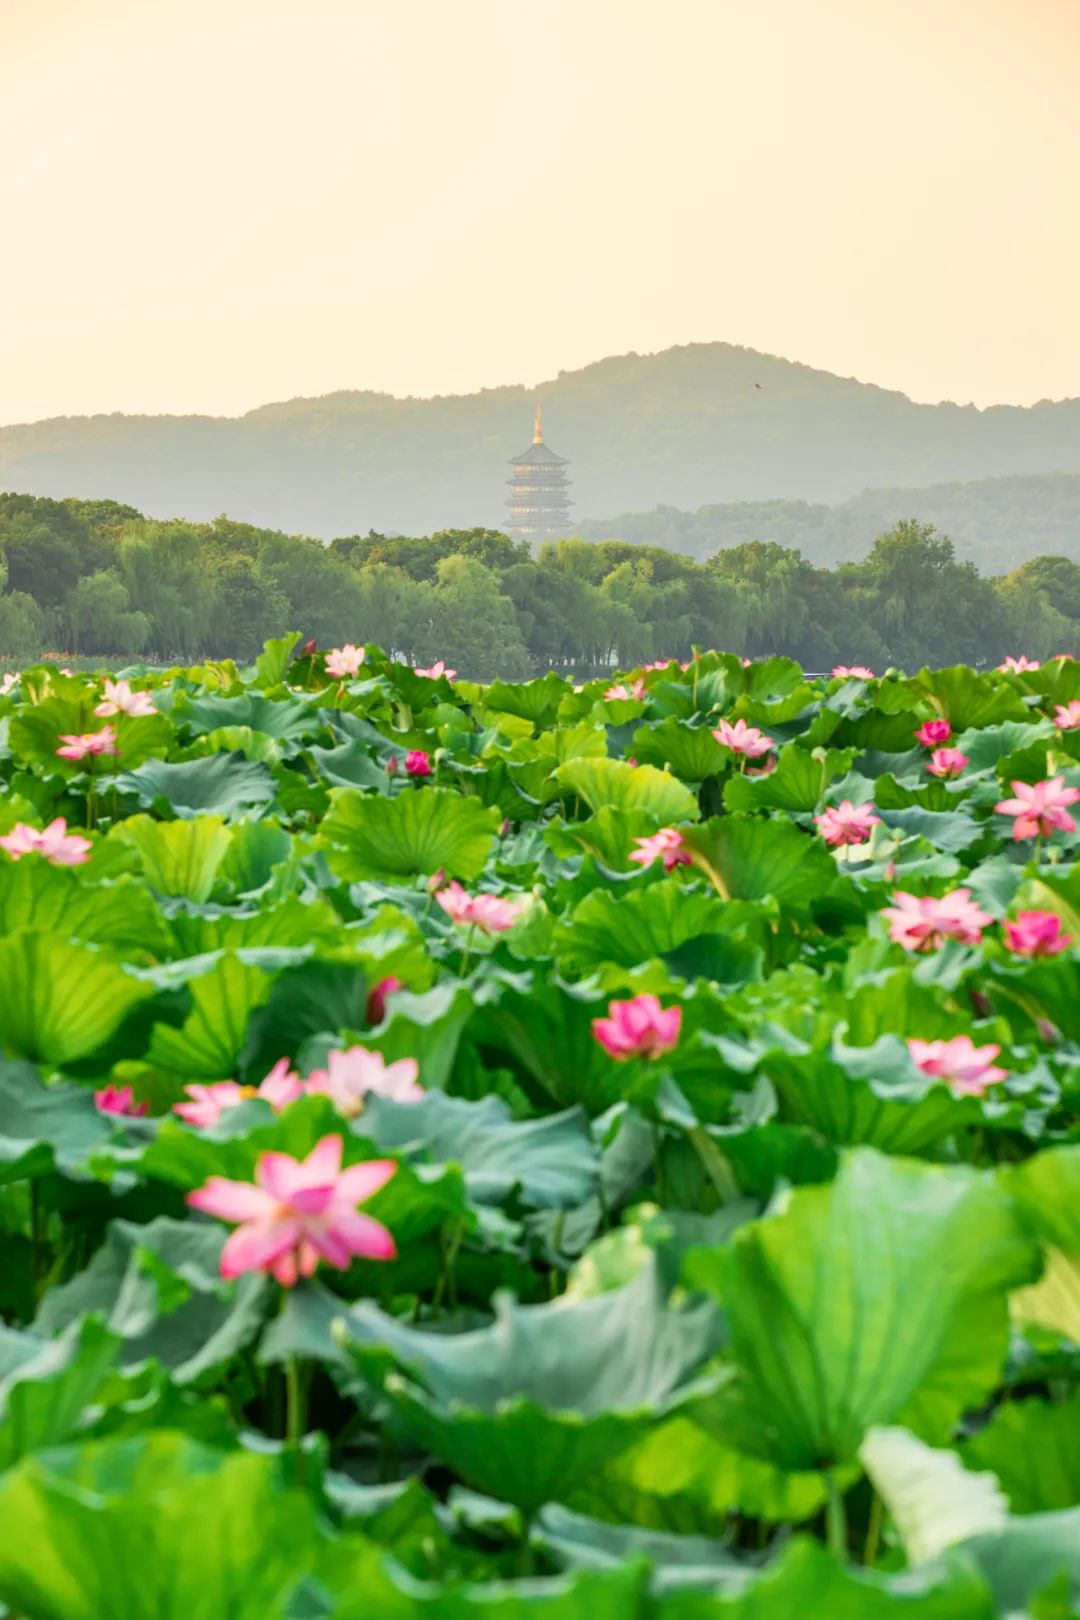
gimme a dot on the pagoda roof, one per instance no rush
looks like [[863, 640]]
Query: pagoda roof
[[535, 454]]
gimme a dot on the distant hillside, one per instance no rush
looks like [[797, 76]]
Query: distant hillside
[[684, 427], [996, 523]]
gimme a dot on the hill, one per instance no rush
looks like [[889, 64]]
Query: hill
[[996, 523], [685, 427]]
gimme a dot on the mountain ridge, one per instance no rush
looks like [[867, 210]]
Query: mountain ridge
[[695, 425]]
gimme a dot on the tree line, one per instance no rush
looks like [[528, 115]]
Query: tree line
[[98, 579]]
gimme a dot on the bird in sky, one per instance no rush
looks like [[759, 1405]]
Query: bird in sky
[[757, 385]]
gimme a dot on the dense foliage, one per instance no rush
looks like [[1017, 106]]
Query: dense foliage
[[704, 422], [94, 579], [995, 523], [593, 1151]]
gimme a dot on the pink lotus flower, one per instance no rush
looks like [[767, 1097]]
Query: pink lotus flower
[[947, 762], [621, 690], [933, 732], [666, 845], [280, 1087], [857, 672], [661, 663], [924, 924], [120, 699], [1040, 807], [88, 745], [344, 661], [55, 843], [846, 823], [120, 1100], [378, 997], [417, 762], [7, 682], [742, 739], [350, 1077], [1067, 716], [488, 912], [966, 1069], [437, 669], [638, 1028], [1036, 933], [1017, 666], [298, 1212]]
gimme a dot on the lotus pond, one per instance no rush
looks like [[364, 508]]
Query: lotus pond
[[606, 1153]]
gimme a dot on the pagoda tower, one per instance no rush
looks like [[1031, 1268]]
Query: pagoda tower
[[538, 503]]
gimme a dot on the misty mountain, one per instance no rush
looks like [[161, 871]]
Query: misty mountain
[[696, 425], [996, 523]]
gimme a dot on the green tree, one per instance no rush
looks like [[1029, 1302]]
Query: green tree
[[99, 616]]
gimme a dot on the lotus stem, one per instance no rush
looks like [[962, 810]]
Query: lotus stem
[[717, 1166], [873, 1531], [835, 1517]]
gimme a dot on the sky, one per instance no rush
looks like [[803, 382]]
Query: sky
[[212, 204]]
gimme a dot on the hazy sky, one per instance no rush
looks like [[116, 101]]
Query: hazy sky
[[209, 204]]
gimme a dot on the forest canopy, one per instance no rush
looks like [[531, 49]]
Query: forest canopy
[[95, 579]]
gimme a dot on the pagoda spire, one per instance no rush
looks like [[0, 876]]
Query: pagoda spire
[[538, 424]]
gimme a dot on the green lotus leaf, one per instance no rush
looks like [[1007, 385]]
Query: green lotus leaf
[[288, 924], [57, 900], [1046, 1189], [545, 1028], [158, 1288], [60, 1001], [612, 784], [746, 858], [351, 765], [551, 1161], [209, 1043], [609, 836], [220, 784], [273, 662], [799, 781], [415, 833], [313, 998], [879, 1299], [642, 925], [382, 1590], [35, 734], [968, 700], [1033, 1447], [288, 720], [427, 1026], [692, 752], [1027, 1556], [48, 1384], [536, 701], [155, 1523], [179, 858], [527, 1408], [43, 1128]]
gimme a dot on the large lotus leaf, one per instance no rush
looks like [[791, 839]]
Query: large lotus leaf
[[221, 784], [153, 1524], [1047, 1188], [881, 1298], [178, 857], [579, 1542], [351, 765], [43, 1128], [286, 719], [527, 1408], [158, 1287], [209, 1043], [545, 1028], [747, 858], [1027, 1556], [47, 1385], [641, 925], [34, 894], [692, 752], [60, 1001], [272, 664], [1034, 1449], [799, 781], [529, 700], [872, 1095], [968, 700], [985, 746], [258, 851], [610, 836], [679, 1478], [383, 1591], [313, 998], [420, 831], [285, 924], [950, 830], [428, 1027], [615, 785], [551, 1161]]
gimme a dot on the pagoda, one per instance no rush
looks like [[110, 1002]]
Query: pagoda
[[538, 504]]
